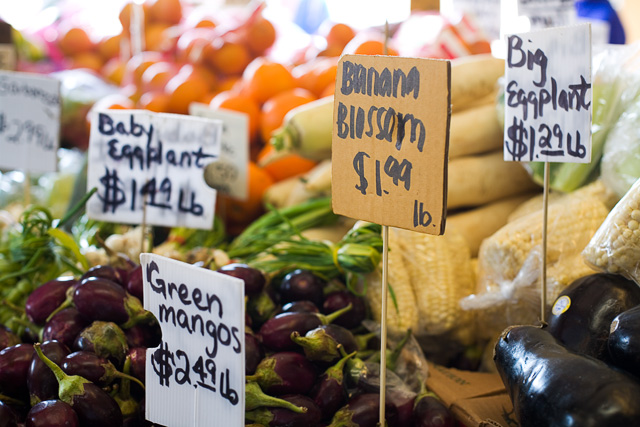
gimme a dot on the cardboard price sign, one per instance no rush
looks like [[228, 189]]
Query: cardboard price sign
[[548, 95], [228, 174], [390, 141], [196, 376], [29, 122], [141, 158]]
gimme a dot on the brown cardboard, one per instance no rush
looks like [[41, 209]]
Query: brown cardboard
[[477, 399], [378, 173]]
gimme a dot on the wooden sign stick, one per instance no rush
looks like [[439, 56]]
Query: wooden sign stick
[[136, 28], [545, 205], [27, 189], [385, 275], [144, 223]]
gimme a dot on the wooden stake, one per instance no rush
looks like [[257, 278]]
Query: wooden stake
[[27, 189], [545, 205], [136, 28], [144, 223]]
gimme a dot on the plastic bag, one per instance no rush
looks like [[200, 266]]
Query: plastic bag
[[615, 247], [509, 262]]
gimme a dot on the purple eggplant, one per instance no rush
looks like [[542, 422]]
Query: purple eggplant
[[8, 417], [402, 399], [330, 391], [300, 285], [304, 306], [52, 413], [363, 410], [135, 286], [276, 332], [41, 382], [254, 353], [624, 341], [253, 278], [429, 411], [339, 299], [46, 298], [103, 299], [261, 308], [321, 343], [7, 337], [144, 335], [65, 326], [282, 417], [285, 373], [93, 405], [14, 367], [96, 369], [256, 398], [104, 272], [105, 339], [138, 359]]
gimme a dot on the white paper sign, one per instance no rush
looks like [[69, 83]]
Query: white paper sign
[[548, 13], [548, 95], [29, 122], [229, 173], [138, 157], [485, 12], [196, 376]]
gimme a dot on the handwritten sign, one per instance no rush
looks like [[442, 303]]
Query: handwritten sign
[[138, 157], [29, 121], [548, 96], [229, 173], [548, 13], [485, 12], [390, 141], [196, 376]]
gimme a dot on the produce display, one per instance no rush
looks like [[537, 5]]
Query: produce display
[[74, 333]]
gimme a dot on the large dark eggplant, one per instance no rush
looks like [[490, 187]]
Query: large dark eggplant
[[551, 386], [624, 341], [581, 316]]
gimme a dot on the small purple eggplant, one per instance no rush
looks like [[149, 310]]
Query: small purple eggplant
[[362, 410], [261, 308], [281, 417], [301, 285], [52, 413], [429, 411], [330, 392], [285, 373], [41, 382], [103, 299], [276, 332], [403, 399], [65, 326], [253, 278], [93, 405], [14, 367], [339, 299], [254, 353], [105, 339], [321, 344], [7, 337], [46, 298], [144, 335], [135, 286], [304, 306], [138, 358], [8, 417], [105, 272], [96, 369], [256, 398]]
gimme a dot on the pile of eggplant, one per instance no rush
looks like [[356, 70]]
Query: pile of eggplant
[[583, 367], [309, 359]]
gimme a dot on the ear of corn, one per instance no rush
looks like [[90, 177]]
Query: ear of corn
[[615, 248]]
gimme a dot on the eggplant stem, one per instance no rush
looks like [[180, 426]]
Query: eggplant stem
[[57, 371], [131, 378]]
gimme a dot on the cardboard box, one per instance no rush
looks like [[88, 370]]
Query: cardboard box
[[476, 399]]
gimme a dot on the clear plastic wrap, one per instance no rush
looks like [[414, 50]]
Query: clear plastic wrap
[[509, 262], [615, 247]]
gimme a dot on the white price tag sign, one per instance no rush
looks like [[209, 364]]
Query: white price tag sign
[[229, 173], [29, 122], [548, 13], [137, 157], [548, 95], [196, 376]]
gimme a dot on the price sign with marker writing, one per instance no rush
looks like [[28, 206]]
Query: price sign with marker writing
[[196, 376], [390, 141], [151, 165]]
